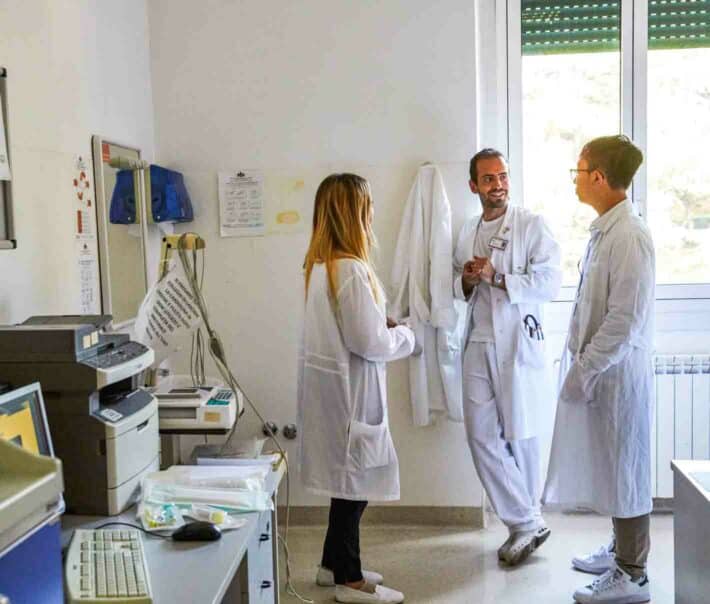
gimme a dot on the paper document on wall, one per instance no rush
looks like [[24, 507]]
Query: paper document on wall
[[168, 315], [241, 203], [83, 205], [88, 277], [4, 159]]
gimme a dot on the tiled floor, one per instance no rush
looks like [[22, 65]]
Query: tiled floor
[[433, 565]]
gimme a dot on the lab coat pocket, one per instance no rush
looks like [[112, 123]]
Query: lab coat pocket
[[370, 445], [531, 346]]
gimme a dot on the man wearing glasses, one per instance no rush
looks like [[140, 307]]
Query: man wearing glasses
[[506, 265], [601, 449]]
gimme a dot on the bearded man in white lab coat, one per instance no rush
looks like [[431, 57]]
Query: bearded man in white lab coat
[[506, 265], [601, 449]]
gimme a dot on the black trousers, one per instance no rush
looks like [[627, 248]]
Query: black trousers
[[341, 550]]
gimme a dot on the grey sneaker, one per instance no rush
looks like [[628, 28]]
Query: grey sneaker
[[523, 544], [504, 548]]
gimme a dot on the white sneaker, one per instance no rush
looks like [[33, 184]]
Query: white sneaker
[[325, 577], [522, 544], [383, 595], [597, 562], [614, 587]]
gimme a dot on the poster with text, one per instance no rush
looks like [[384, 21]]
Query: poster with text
[[241, 203]]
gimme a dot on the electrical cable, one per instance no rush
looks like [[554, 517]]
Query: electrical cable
[[197, 350], [216, 350], [135, 526]]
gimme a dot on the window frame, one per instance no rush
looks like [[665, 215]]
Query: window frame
[[634, 95], [8, 240]]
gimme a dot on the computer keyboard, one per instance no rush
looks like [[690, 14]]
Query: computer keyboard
[[107, 567]]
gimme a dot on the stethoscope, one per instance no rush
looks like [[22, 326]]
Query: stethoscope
[[533, 327]]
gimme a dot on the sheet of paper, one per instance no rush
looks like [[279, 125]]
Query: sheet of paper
[[4, 160], [241, 203], [168, 314], [85, 250], [88, 277]]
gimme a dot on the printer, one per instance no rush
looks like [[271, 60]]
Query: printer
[[103, 423]]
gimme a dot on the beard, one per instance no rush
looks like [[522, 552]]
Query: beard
[[489, 201]]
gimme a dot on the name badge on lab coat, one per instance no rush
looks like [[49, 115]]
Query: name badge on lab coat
[[498, 243]]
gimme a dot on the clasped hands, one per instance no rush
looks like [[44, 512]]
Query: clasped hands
[[477, 270]]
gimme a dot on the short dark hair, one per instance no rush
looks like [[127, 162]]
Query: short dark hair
[[616, 156], [486, 153]]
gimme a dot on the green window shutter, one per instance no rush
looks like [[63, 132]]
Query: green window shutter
[[581, 26], [678, 24]]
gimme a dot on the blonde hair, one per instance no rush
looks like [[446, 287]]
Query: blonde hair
[[342, 229]]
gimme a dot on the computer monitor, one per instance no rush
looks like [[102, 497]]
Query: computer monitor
[[23, 420], [30, 502]]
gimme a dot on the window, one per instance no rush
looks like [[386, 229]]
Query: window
[[587, 68], [678, 128], [571, 70]]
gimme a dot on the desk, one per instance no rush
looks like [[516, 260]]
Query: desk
[[242, 567], [691, 528]]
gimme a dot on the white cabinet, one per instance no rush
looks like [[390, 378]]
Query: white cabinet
[[691, 528], [260, 562]]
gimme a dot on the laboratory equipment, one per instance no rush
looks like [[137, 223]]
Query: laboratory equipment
[[202, 409], [169, 200]]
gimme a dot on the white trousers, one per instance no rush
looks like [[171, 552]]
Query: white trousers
[[509, 471]]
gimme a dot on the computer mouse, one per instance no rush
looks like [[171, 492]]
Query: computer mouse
[[197, 531]]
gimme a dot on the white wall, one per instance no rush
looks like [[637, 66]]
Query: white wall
[[301, 91], [75, 68]]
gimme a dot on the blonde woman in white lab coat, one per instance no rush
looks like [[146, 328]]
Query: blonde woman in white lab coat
[[346, 450], [601, 449]]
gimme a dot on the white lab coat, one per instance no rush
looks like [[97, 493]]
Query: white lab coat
[[531, 264], [601, 448], [421, 281], [346, 450]]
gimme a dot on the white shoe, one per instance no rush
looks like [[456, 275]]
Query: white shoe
[[522, 544], [614, 587], [325, 577], [597, 562], [383, 595]]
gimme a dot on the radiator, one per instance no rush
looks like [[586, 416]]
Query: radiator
[[682, 423]]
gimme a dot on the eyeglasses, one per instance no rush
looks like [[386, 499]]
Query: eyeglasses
[[574, 171]]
